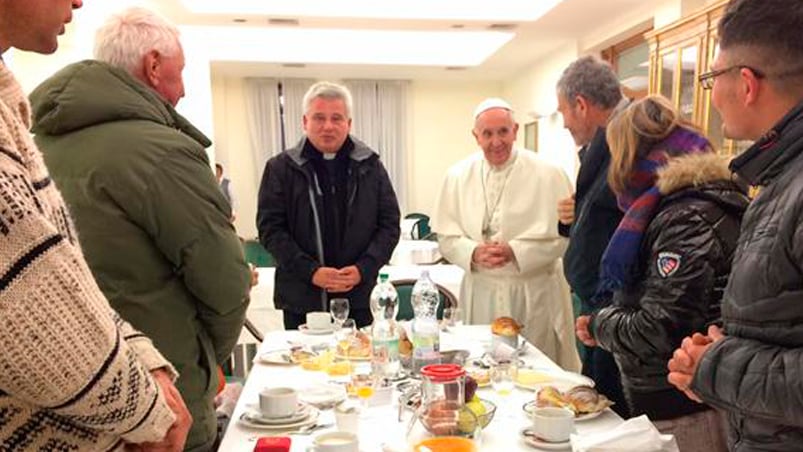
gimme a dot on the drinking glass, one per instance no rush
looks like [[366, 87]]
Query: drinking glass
[[339, 307], [344, 337], [452, 317], [503, 376]]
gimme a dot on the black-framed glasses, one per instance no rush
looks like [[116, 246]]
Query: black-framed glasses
[[707, 79]]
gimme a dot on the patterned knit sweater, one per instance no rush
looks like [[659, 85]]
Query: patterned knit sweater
[[73, 374]]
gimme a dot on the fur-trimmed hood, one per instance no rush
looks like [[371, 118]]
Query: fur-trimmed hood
[[692, 170]]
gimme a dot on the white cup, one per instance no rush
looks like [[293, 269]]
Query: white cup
[[336, 442], [278, 402], [347, 417], [319, 320], [553, 424]]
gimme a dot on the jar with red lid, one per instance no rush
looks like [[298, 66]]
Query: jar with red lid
[[442, 409]]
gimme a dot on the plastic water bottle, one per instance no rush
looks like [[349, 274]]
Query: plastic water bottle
[[384, 332], [426, 332]]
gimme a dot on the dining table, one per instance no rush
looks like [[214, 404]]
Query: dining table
[[379, 426]]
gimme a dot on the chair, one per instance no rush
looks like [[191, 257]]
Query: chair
[[257, 255], [404, 287], [421, 230]]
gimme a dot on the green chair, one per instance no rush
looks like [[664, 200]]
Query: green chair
[[421, 230], [404, 287], [257, 255]]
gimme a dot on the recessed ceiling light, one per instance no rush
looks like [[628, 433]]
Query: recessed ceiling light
[[510, 10], [282, 21], [294, 65], [458, 26], [239, 20], [502, 27]]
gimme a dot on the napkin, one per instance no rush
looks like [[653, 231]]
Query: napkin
[[636, 435], [503, 352]]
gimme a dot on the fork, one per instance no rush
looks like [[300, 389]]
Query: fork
[[309, 429]]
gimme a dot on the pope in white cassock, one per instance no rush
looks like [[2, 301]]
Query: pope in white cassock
[[495, 217]]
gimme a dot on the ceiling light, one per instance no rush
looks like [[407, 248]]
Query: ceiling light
[[310, 45], [477, 10]]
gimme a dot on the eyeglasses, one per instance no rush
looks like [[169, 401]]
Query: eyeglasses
[[707, 79]]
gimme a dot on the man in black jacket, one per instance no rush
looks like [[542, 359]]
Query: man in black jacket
[[752, 366], [327, 212], [588, 94]]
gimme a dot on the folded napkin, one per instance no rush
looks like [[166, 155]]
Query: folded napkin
[[636, 435]]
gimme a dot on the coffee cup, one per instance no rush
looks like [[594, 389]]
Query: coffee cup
[[553, 424], [319, 320], [278, 402], [335, 442]]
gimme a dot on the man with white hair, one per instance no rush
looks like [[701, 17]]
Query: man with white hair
[[327, 212], [150, 217], [495, 218]]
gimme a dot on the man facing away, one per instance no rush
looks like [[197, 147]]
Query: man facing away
[[327, 213], [588, 94], [751, 367], [495, 218], [150, 216], [75, 376]]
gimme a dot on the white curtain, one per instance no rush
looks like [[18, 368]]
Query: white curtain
[[293, 91], [264, 122], [380, 120]]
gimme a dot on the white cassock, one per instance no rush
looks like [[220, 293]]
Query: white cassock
[[516, 204]]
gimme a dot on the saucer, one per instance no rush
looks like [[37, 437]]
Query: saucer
[[310, 418], [256, 416], [306, 330], [544, 444]]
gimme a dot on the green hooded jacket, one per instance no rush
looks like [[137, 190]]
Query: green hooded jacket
[[151, 220]]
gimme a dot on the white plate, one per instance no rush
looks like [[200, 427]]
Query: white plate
[[528, 408], [543, 445], [254, 415], [561, 380], [308, 420], [305, 330], [278, 357], [323, 395]]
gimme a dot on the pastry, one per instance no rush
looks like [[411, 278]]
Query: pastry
[[505, 326]]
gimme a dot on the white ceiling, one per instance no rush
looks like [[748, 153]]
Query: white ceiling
[[571, 21]]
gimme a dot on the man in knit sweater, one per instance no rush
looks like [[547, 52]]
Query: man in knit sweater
[[73, 374]]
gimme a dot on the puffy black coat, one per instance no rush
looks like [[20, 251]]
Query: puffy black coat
[[684, 263], [289, 221], [756, 372]]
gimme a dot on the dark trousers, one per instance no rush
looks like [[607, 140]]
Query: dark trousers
[[600, 366], [292, 320]]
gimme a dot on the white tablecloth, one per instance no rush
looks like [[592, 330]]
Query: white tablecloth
[[380, 427], [267, 318], [415, 252]]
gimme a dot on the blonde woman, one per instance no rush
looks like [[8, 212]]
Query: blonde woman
[[667, 263]]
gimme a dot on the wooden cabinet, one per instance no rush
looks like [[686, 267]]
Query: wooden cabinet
[[679, 53]]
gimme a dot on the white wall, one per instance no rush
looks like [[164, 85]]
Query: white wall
[[534, 91], [441, 127]]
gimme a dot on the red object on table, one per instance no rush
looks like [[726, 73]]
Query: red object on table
[[273, 444]]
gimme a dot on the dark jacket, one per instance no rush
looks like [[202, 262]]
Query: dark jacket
[[683, 268], [596, 216], [151, 220], [756, 372], [289, 223]]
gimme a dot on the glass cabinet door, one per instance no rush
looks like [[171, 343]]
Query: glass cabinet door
[[668, 68], [688, 81]]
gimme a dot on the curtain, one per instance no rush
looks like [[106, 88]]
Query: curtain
[[293, 91], [380, 120], [264, 123]]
